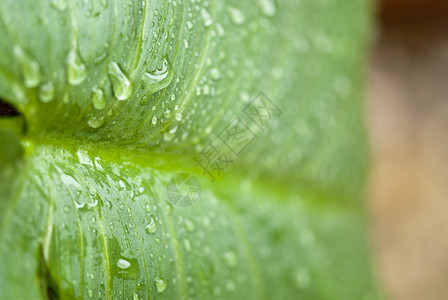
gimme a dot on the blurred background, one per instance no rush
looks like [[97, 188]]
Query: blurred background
[[408, 120]]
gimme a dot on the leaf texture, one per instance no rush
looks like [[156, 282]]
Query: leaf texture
[[119, 96]]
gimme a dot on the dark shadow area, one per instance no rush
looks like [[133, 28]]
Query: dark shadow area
[[7, 110]]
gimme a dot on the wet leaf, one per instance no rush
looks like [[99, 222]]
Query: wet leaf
[[117, 97]]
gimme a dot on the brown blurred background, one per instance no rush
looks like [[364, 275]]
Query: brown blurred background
[[408, 120]]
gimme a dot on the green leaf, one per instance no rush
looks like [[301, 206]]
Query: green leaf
[[117, 97]]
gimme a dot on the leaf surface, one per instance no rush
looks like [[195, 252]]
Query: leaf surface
[[119, 96]]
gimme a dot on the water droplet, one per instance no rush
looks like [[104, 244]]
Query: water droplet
[[151, 227], [154, 120], [123, 264], [59, 4], [189, 225], [126, 268], [173, 130], [178, 116], [186, 44], [135, 296], [30, 68], [189, 25], [84, 158], [46, 92], [76, 69], [160, 284], [79, 205], [230, 258], [160, 78], [95, 123], [167, 113], [168, 136], [237, 16], [98, 99], [206, 17], [187, 244], [267, 7], [220, 29], [104, 3], [147, 207], [121, 85], [215, 73], [90, 293]]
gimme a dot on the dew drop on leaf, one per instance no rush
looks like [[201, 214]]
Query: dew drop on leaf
[[151, 227], [160, 284], [206, 17], [121, 85], [168, 136], [98, 98], [206, 89], [189, 225], [135, 296], [220, 30], [79, 205], [59, 4], [267, 7], [206, 221], [167, 113], [123, 263], [46, 92], [230, 258], [237, 16], [215, 73], [173, 129], [154, 120], [76, 69], [158, 79], [187, 245], [30, 68], [69, 181], [95, 122]]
